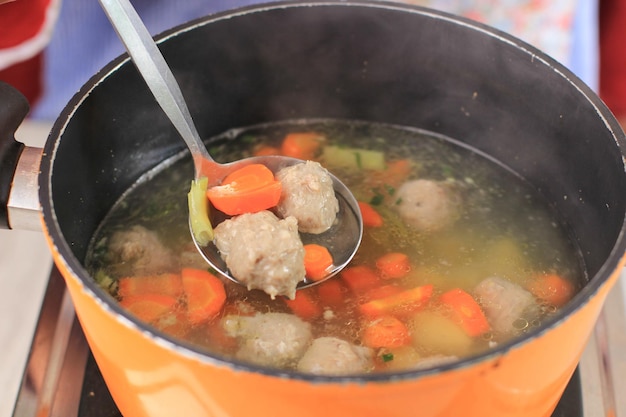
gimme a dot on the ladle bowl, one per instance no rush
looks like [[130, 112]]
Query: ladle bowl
[[343, 238]]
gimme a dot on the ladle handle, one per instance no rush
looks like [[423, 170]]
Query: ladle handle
[[155, 71]]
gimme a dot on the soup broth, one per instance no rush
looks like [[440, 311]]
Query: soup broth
[[458, 256]]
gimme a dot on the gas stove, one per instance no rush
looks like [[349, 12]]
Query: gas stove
[[61, 378]]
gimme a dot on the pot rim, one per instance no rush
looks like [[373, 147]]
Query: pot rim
[[62, 248]]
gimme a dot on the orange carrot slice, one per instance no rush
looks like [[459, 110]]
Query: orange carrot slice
[[385, 332], [370, 216], [401, 304], [205, 294], [381, 292], [304, 306], [149, 307], [397, 171], [331, 293], [317, 261], [393, 265], [552, 288], [248, 190], [165, 284], [466, 312], [265, 150], [301, 145], [360, 278]]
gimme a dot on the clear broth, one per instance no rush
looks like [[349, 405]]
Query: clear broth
[[504, 229]]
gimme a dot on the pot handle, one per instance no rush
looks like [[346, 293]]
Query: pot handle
[[13, 109]]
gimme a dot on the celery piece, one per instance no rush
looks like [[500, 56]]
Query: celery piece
[[105, 281], [353, 158], [199, 212]]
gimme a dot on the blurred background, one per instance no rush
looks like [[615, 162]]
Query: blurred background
[[49, 48]]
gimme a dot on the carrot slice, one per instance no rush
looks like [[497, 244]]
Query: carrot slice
[[331, 293], [406, 302], [385, 332], [466, 312], [360, 278], [393, 265], [165, 284], [317, 261], [397, 171], [552, 288], [265, 150], [370, 216], [248, 190], [205, 294], [301, 145], [304, 306], [381, 292], [149, 307]]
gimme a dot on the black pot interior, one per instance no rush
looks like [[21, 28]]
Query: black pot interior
[[348, 60]]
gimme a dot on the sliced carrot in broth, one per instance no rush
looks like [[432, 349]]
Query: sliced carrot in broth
[[552, 289], [371, 217], [317, 261], [149, 307], [205, 294], [304, 306], [401, 304], [360, 278], [331, 293], [165, 284], [393, 265], [250, 189], [302, 145], [385, 332], [466, 312]]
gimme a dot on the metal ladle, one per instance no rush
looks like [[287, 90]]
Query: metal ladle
[[342, 239]]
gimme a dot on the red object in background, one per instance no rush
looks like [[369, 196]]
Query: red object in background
[[25, 27], [21, 20], [26, 76], [612, 56]]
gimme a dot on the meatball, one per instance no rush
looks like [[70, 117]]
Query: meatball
[[262, 252], [508, 307], [427, 205], [309, 196], [270, 339], [139, 251], [334, 356]]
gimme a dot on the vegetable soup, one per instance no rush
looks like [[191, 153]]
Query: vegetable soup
[[458, 256]]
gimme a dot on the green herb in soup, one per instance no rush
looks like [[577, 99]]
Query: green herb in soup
[[458, 256]]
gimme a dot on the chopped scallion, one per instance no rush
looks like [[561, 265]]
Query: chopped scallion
[[199, 212], [376, 200], [387, 357]]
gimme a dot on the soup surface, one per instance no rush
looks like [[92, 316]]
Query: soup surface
[[458, 256]]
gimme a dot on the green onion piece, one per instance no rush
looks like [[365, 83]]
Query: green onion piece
[[105, 282], [377, 200], [199, 212], [387, 357], [357, 157]]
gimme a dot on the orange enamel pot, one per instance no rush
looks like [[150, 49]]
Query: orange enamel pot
[[360, 60]]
